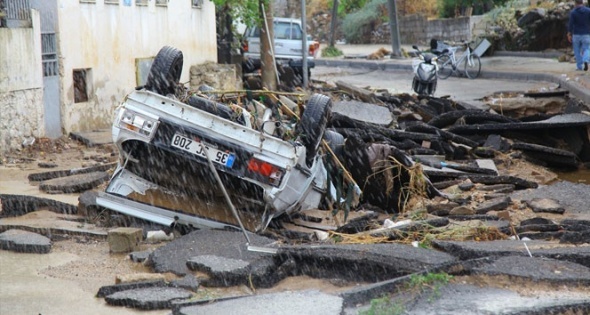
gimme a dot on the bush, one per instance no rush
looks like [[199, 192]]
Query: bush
[[359, 25]]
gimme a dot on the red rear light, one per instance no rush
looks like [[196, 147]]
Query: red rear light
[[265, 172], [245, 46], [313, 48]]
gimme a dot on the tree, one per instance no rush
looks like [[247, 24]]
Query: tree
[[254, 12]]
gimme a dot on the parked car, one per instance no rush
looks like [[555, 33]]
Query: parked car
[[288, 43], [167, 146]]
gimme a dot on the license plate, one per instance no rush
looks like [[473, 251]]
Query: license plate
[[195, 147]]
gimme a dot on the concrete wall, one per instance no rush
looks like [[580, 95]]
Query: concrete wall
[[21, 85], [109, 38]]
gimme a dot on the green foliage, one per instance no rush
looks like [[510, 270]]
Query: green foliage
[[347, 6], [244, 11], [384, 306], [453, 8], [431, 281], [359, 24]]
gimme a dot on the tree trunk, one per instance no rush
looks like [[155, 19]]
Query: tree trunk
[[333, 23], [268, 66]]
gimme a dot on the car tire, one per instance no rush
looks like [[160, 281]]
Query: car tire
[[313, 124], [335, 141], [165, 71]]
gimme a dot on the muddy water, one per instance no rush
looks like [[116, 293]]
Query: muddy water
[[580, 176], [25, 290]]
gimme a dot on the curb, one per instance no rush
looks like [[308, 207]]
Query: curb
[[574, 88]]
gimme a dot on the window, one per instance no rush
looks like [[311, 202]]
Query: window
[[141, 3], [87, 1], [162, 3], [197, 4], [82, 84], [115, 2], [287, 31]]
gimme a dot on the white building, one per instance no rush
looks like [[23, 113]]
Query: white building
[[66, 64]]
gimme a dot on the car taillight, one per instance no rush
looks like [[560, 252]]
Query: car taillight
[[245, 46], [142, 124], [265, 172], [313, 48]]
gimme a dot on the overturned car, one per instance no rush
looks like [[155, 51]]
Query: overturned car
[[178, 156]]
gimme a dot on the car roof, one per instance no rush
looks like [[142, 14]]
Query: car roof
[[279, 19]]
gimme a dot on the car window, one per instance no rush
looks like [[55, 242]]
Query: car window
[[285, 30]]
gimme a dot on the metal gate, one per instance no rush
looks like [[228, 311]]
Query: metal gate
[[51, 101], [51, 79]]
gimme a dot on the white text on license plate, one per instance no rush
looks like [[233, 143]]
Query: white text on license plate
[[195, 147]]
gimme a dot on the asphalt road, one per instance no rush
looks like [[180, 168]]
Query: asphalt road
[[400, 81]]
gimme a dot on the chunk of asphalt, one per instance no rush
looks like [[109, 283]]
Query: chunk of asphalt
[[37, 177], [573, 197], [537, 269], [465, 299], [550, 156], [558, 121], [152, 298], [570, 237], [189, 282], [111, 289], [545, 205], [25, 242], [173, 256], [471, 250], [17, 205], [362, 262], [284, 303], [500, 203], [365, 112], [74, 183], [226, 272]]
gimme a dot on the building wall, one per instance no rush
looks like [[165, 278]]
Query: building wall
[[108, 39], [21, 85]]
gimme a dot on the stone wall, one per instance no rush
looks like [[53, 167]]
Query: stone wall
[[417, 29], [218, 76], [21, 118]]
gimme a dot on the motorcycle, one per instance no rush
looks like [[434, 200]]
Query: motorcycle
[[425, 73]]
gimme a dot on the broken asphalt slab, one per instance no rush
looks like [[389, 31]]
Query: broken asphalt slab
[[472, 250], [17, 205], [149, 298], [94, 137], [24, 242], [465, 299], [574, 198], [285, 303], [74, 183]]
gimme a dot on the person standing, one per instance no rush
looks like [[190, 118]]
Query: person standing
[[579, 33]]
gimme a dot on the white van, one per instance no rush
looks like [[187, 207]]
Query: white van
[[288, 38]]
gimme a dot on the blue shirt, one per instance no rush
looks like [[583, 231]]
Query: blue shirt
[[579, 23]]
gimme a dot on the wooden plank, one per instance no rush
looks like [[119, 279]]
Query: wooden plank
[[363, 94]]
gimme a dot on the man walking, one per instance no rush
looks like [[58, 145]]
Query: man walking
[[579, 33]]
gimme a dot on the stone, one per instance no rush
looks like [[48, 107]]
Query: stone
[[124, 239], [536, 221], [189, 282], [466, 185], [365, 112], [74, 183], [462, 210], [140, 257], [441, 209]]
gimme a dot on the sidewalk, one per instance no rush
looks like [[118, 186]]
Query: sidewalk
[[518, 66]]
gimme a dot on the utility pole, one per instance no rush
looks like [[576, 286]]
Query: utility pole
[[304, 44], [269, 72], [394, 29], [333, 23]]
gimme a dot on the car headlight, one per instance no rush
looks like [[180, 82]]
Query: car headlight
[[142, 124]]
